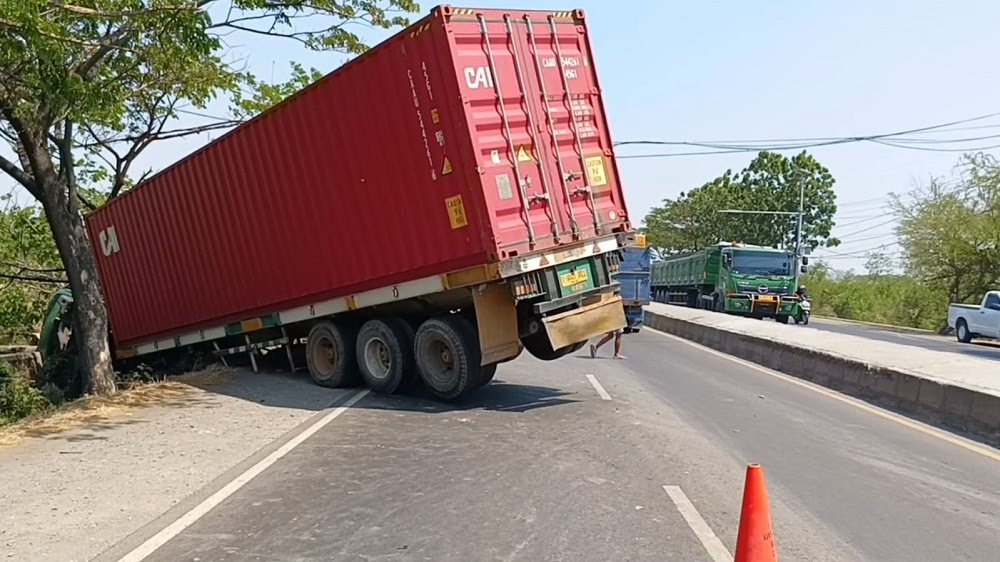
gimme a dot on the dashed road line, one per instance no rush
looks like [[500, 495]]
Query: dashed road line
[[705, 534], [597, 386], [152, 544]]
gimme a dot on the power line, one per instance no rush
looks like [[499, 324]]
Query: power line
[[795, 144], [869, 218], [865, 239], [857, 253], [868, 229]]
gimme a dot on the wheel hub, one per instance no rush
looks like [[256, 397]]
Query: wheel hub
[[378, 358]]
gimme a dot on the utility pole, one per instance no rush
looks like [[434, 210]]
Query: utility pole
[[802, 204]]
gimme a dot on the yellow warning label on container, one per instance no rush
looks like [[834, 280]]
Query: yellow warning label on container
[[456, 212], [523, 155], [446, 169], [435, 116], [596, 174]]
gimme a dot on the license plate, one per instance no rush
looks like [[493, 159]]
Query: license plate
[[766, 298], [574, 278]]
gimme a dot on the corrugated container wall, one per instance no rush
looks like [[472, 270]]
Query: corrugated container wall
[[399, 165]]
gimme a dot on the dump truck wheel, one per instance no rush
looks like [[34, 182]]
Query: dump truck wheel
[[448, 356], [384, 356], [782, 318], [330, 355]]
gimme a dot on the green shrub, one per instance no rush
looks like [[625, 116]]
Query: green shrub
[[18, 399], [882, 299]]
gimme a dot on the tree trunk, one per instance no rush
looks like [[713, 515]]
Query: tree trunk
[[90, 319]]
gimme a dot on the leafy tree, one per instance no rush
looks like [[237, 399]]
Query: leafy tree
[[950, 234], [29, 269], [771, 182], [879, 264], [87, 85]]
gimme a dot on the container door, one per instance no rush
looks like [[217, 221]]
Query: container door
[[575, 142], [495, 82], [534, 105]]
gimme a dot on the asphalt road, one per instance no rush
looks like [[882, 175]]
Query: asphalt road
[[540, 467], [978, 348]]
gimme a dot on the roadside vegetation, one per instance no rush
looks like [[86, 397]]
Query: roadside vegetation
[[947, 247], [85, 91], [891, 299]]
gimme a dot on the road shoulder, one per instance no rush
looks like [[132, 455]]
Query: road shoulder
[[71, 495]]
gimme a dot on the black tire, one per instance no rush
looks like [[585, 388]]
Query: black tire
[[539, 346], [330, 355], [782, 319], [385, 356], [486, 375], [448, 356], [408, 335], [962, 331]]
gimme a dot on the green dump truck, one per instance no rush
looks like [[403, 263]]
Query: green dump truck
[[741, 279]]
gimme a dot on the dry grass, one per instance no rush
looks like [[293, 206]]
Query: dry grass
[[96, 409]]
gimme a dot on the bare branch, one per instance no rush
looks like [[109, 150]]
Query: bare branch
[[33, 278], [19, 175], [24, 268], [84, 11], [297, 36], [29, 159], [66, 166]]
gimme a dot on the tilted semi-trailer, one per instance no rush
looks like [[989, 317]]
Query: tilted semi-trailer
[[436, 205]]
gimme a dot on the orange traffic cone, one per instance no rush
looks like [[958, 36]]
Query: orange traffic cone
[[755, 541]]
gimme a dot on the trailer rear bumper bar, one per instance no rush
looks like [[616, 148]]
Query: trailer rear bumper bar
[[545, 307], [602, 314]]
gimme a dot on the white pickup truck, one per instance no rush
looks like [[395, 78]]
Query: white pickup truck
[[971, 321]]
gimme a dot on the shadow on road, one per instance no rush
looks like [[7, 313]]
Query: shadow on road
[[498, 396], [276, 387]]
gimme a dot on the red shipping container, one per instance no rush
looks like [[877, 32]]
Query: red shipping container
[[399, 165]]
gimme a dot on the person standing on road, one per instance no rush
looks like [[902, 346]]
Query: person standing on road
[[617, 335]]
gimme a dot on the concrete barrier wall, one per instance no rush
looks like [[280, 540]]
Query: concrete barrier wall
[[955, 407], [26, 363]]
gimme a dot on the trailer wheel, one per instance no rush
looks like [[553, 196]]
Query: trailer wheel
[[448, 356], [330, 355], [539, 346], [486, 375], [407, 336], [385, 355]]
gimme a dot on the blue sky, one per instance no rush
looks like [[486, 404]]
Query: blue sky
[[731, 70]]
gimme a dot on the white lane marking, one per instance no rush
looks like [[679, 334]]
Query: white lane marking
[[705, 534], [597, 386], [159, 539], [884, 414]]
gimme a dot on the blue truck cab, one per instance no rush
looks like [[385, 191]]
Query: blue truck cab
[[634, 279]]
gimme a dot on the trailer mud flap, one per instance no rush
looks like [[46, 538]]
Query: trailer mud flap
[[496, 316], [581, 324]]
